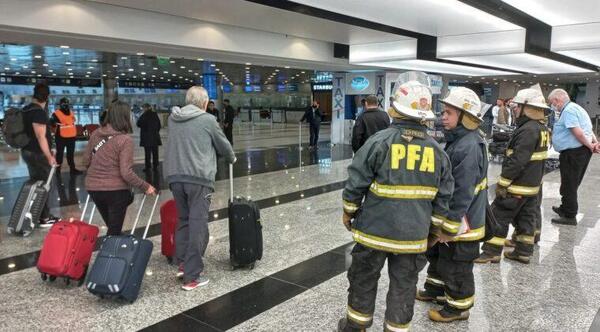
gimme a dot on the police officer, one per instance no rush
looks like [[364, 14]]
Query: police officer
[[450, 274], [519, 183], [398, 180], [66, 133]]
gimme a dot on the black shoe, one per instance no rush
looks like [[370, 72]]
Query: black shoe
[[75, 171], [48, 222], [343, 326], [558, 211], [564, 221]]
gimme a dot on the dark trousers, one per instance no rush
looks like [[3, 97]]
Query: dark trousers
[[229, 133], [61, 144], [573, 164], [151, 154], [314, 134], [523, 213], [450, 273], [39, 170], [191, 237], [112, 206], [363, 276]]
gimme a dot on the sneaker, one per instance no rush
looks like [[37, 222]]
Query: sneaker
[[509, 243], [423, 295], [180, 271], [564, 221], [445, 316], [201, 281], [516, 257], [487, 258], [558, 211], [48, 222]]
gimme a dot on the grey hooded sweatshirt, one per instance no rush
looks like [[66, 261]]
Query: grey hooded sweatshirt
[[195, 141]]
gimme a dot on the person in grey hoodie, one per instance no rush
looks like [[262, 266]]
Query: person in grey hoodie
[[195, 140]]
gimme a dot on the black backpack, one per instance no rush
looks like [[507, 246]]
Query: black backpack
[[13, 129]]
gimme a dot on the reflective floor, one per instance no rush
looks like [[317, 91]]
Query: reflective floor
[[300, 284]]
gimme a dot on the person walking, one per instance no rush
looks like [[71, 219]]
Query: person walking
[[313, 117], [110, 176], [195, 141], [450, 277], [574, 139], [64, 120], [519, 184], [149, 125], [368, 123], [37, 154], [397, 182], [228, 121]]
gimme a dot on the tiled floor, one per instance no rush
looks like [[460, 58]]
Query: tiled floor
[[300, 284]]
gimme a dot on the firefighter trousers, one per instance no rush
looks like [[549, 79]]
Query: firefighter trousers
[[538, 220], [363, 276], [522, 212], [450, 274]]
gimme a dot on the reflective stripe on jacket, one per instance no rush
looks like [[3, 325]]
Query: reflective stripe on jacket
[[66, 125], [397, 181]]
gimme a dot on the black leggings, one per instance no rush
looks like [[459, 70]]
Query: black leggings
[[112, 205]]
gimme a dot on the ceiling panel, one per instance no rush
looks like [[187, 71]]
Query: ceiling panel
[[437, 67], [254, 16], [522, 62], [560, 12], [432, 17]]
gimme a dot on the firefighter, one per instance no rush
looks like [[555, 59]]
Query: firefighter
[[519, 184], [450, 277], [399, 181]]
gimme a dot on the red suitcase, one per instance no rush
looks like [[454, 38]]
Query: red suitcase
[[168, 224], [68, 248]]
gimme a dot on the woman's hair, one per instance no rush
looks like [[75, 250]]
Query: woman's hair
[[118, 117]]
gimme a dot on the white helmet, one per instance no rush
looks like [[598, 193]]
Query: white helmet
[[465, 100], [532, 97], [413, 99]]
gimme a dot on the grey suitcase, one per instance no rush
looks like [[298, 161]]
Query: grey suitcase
[[119, 268], [29, 205]]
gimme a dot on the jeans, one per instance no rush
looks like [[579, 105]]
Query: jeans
[[573, 164], [39, 170], [191, 236], [112, 206]]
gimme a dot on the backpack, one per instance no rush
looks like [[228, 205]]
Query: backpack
[[13, 129]]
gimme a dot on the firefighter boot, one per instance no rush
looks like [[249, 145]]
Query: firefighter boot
[[447, 315], [512, 255], [343, 327], [425, 296], [509, 243], [487, 258]]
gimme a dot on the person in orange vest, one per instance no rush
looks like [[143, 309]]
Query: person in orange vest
[[64, 119]]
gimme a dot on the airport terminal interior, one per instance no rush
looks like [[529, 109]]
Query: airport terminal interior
[[271, 61]]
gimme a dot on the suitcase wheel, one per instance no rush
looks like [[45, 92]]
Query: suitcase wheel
[[44, 276], [51, 278], [170, 260], [67, 281], [10, 230]]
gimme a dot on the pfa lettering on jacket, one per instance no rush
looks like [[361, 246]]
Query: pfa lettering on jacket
[[412, 157]]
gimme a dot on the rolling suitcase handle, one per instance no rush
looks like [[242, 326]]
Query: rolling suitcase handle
[[151, 215], [49, 181], [137, 217], [85, 206], [231, 183]]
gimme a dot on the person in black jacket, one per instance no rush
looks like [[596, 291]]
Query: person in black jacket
[[228, 121], [213, 110], [450, 274], [519, 184], [313, 117], [368, 123], [149, 124]]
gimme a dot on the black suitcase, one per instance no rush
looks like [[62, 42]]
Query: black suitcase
[[245, 230], [119, 268], [29, 205]]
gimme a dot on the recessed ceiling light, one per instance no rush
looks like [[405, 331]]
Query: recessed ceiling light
[[87, 75], [130, 69], [248, 64], [90, 67], [182, 67], [213, 65], [143, 73], [69, 69], [45, 65], [13, 59], [153, 75], [154, 68], [33, 71], [200, 59], [53, 74], [165, 72], [162, 77], [6, 68], [94, 60], [122, 74], [65, 53], [189, 70], [67, 63], [115, 66], [134, 76], [64, 46], [172, 61], [142, 64], [287, 67], [276, 70], [140, 53], [25, 67], [37, 56], [174, 75], [103, 75], [17, 73], [123, 58], [89, 72]]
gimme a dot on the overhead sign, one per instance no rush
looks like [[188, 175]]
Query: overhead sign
[[360, 84], [322, 86], [162, 60]]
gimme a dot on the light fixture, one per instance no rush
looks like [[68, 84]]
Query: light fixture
[[70, 69], [25, 66], [200, 59], [182, 67], [13, 59], [130, 69], [154, 68], [213, 65], [248, 64], [65, 53], [287, 67], [123, 58], [37, 56], [115, 66], [140, 53], [172, 61], [94, 60], [438, 67]]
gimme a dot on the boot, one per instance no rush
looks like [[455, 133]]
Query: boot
[[558, 211], [516, 257], [445, 316], [509, 243], [423, 295], [564, 221], [343, 327], [487, 258]]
